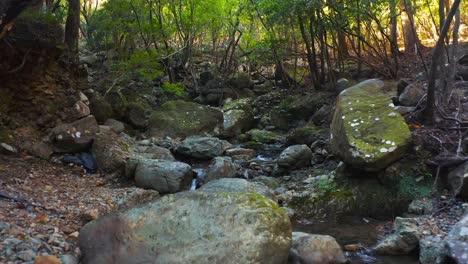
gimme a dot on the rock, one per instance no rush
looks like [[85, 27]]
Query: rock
[[163, 176], [135, 197], [238, 117], [115, 125], [403, 110], [323, 115], [136, 115], [270, 182], [81, 110], [431, 250], [404, 239], [421, 207], [343, 84], [235, 185], [312, 249], [457, 181], [83, 98], [90, 215], [201, 147], [75, 137], [111, 152], [49, 259], [220, 167], [191, 227], [241, 81], [153, 152], [366, 132], [205, 77], [412, 94], [262, 136], [101, 109], [456, 241], [41, 150], [240, 153], [182, 119], [401, 85], [89, 59], [7, 149], [294, 157], [307, 134]]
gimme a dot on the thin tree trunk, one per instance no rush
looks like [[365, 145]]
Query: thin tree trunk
[[72, 28]]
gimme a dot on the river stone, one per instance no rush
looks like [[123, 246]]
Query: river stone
[[75, 137], [220, 167], [163, 176], [238, 117], [314, 249], [182, 119], [457, 181], [366, 132], [238, 186], [457, 241], [191, 227], [202, 147], [403, 240], [240, 153], [153, 152], [111, 152], [294, 157]]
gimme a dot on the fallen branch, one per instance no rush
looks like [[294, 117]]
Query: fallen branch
[[21, 201]]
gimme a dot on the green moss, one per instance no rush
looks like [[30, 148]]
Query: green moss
[[263, 136]]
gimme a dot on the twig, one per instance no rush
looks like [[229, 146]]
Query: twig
[[436, 179]]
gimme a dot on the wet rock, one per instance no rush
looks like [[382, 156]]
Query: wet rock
[[294, 157], [7, 149], [111, 152], [457, 181], [115, 125], [182, 119], [220, 167], [240, 153], [238, 186], [262, 136], [202, 147], [204, 231], [431, 250], [403, 240], [238, 117], [163, 176], [366, 132], [412, 94], [311, 249], [456, 242], [75, 137]]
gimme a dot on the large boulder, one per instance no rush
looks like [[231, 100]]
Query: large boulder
[[191, 227], [366, 131], [238, 117], [314, 249], [100, 108], [403, 240], [111, 152], [294, 157], [182, 119], [456, 249], [202, 147], [75, 137], [163, 176], [220, 167], [457, 181], [235, 185]]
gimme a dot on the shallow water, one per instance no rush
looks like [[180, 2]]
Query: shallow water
[[354, 231]]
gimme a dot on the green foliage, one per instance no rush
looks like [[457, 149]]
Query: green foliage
[[176, 89], [143, 65], [42, 17], [408, 187]]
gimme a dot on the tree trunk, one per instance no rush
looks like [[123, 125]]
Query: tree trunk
[[437, 58], [72, 28], [409, 32], [9, 11]]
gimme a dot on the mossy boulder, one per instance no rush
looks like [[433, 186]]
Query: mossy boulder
[[191, 227], [182, 119], [101, 109], [366, 131], [238, 117], [262, 136]]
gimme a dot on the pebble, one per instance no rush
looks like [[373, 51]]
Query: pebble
[[26, 255]]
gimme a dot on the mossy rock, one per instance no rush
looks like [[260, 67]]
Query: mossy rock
[[366, 131], [182, 119], [101, 109], [307, 134], [263, 136], [238, 117]]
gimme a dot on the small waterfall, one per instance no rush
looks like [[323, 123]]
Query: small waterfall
[[193, 187]]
